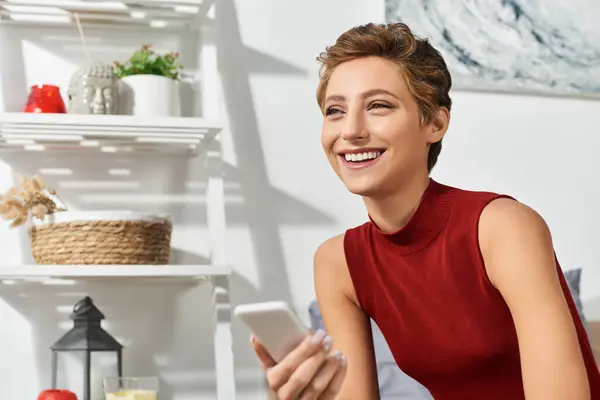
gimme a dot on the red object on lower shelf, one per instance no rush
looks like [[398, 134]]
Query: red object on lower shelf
[[57, 394], [45, 99]]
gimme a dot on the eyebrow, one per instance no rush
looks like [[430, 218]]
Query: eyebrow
[[367, 94]]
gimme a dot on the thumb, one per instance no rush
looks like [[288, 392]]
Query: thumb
[[262, 353]]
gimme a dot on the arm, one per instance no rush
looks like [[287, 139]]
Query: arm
[[519, 259], [345, 322]]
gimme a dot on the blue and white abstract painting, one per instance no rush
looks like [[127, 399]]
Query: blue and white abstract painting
[[531, 46]]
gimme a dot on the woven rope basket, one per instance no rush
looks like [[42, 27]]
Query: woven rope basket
[[101, 238]]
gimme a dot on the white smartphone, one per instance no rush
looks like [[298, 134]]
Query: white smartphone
[[275, 325]]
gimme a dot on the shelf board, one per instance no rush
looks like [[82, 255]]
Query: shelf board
[[170, 14], [104, 133], [111, 273]]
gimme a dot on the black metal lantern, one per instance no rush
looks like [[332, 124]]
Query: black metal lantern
[[86, 339]]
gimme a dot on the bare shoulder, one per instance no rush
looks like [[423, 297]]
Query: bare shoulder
[[330, 267], [507, 219], [508, 227], [331, 253], [506, 213]]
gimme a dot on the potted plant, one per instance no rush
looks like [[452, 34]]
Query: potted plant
[[149, 84]]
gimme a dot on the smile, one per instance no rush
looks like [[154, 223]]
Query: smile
[[361, 159], [358, 157]]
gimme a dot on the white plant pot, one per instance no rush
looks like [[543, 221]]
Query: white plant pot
[[149, 96]]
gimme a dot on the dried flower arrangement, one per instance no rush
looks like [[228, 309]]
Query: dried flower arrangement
[[32, 199]]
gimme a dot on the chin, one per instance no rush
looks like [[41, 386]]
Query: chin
[[365, 189]]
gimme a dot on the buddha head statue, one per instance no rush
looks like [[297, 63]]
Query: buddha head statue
[[93, 89]]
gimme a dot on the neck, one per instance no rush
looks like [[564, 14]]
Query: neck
[[391, 212]]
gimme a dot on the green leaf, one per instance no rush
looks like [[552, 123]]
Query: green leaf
[[147, 62]]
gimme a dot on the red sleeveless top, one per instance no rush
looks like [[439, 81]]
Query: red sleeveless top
[[426, 288]]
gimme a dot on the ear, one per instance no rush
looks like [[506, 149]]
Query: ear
[[439, 125]]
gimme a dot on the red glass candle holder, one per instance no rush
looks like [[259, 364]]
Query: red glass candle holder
[[45, 99], [54, 394]]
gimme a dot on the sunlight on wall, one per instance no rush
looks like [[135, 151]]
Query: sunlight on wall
[[19, 334]]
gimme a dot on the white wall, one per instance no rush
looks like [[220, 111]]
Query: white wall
[[288, 200]]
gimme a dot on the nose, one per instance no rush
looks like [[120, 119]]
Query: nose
[[353, 127], [98, 103]]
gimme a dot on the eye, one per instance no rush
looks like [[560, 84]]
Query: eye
[[378, 104], [332, 111]]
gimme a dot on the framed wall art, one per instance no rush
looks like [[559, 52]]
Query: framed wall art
[[525, 46]]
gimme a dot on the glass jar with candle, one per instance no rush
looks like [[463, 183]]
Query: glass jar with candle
[[131, 388]]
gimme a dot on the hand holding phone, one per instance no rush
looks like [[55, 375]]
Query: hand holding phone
[[298, 363], [275, 325]]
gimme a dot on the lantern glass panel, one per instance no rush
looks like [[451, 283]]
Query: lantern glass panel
[[70, 371]]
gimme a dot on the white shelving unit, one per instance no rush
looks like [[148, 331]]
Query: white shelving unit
[[114, 273], [108, 133], [171, 14], [119, 134], [83, 134]]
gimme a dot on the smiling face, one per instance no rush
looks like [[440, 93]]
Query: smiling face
[[372, 132]]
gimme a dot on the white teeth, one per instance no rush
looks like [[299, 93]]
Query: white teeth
[[355, 157]]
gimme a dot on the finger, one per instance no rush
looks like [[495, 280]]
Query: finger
[[280, 373], [302, 376], [335, 385], [322, 380], [262, 353]]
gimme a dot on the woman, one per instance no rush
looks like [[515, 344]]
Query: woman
[[464, 285]]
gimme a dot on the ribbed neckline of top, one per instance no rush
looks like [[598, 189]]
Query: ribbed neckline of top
[[428, 220]]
